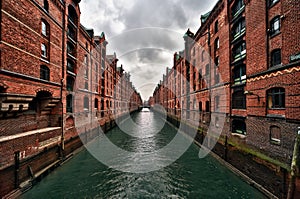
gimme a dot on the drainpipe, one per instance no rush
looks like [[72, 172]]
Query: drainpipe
[[62, 145], [294, 166], [230, 85]]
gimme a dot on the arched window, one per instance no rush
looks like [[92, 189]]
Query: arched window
[[86, 103], [276, 98], [44, 73], [69, 105], [276, 57], [239, 126], [238, 100], [275, 25], [275, 134], [46, 5], [272, 2], [72, 15]]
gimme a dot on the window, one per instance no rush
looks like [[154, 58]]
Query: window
[[72, 15], [239, 126], [237, 8], [239, 74], [216, 26], [85, 60], [276, 57], [203, 55], [46, 5], [70, 66], [238, 100], [217, 44], [276, 98], [217, 76], [207, 69], [69, 104], [239, 50], [217, 61], [86, 103], [217, 103], [207, 106], [200, 78], [44, 50], [86, 86], [71, 33], [45, 28], [239, 28], [44, 73], [275, 135], [275, 25], [70, 83], [86, 73], [71, 49], [200, 106], [96, 103]]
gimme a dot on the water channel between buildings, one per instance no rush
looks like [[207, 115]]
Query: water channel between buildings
[[188, 177]]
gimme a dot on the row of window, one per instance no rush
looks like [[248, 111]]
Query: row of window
[[275, 99], [70, 101], [239, 127]]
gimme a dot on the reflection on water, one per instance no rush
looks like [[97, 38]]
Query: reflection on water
[[187, 177]]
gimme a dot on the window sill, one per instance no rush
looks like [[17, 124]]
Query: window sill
[[71, 73], [44, 59], [237, 14], [274, 34], [238, 36], [241, 57], [275, 141], [242, 136], [275, 116]]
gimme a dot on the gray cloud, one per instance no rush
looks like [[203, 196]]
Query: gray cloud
[[128, 24]]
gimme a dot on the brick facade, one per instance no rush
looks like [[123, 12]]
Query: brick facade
[[54, 76], [242, 63]]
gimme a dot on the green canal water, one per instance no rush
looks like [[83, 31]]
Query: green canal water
[[188, 177]]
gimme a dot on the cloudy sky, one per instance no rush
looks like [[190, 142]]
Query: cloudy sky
[[144, 34]]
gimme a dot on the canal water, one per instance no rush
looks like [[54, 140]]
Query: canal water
[[188, 177]]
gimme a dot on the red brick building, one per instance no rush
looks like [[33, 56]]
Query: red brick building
[[54, 76], [243, 64]]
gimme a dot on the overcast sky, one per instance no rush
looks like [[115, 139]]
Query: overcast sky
[[144, 34]]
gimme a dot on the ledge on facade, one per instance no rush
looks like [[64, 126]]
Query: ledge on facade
[[28, 133], [276, 116], [275, 68]]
